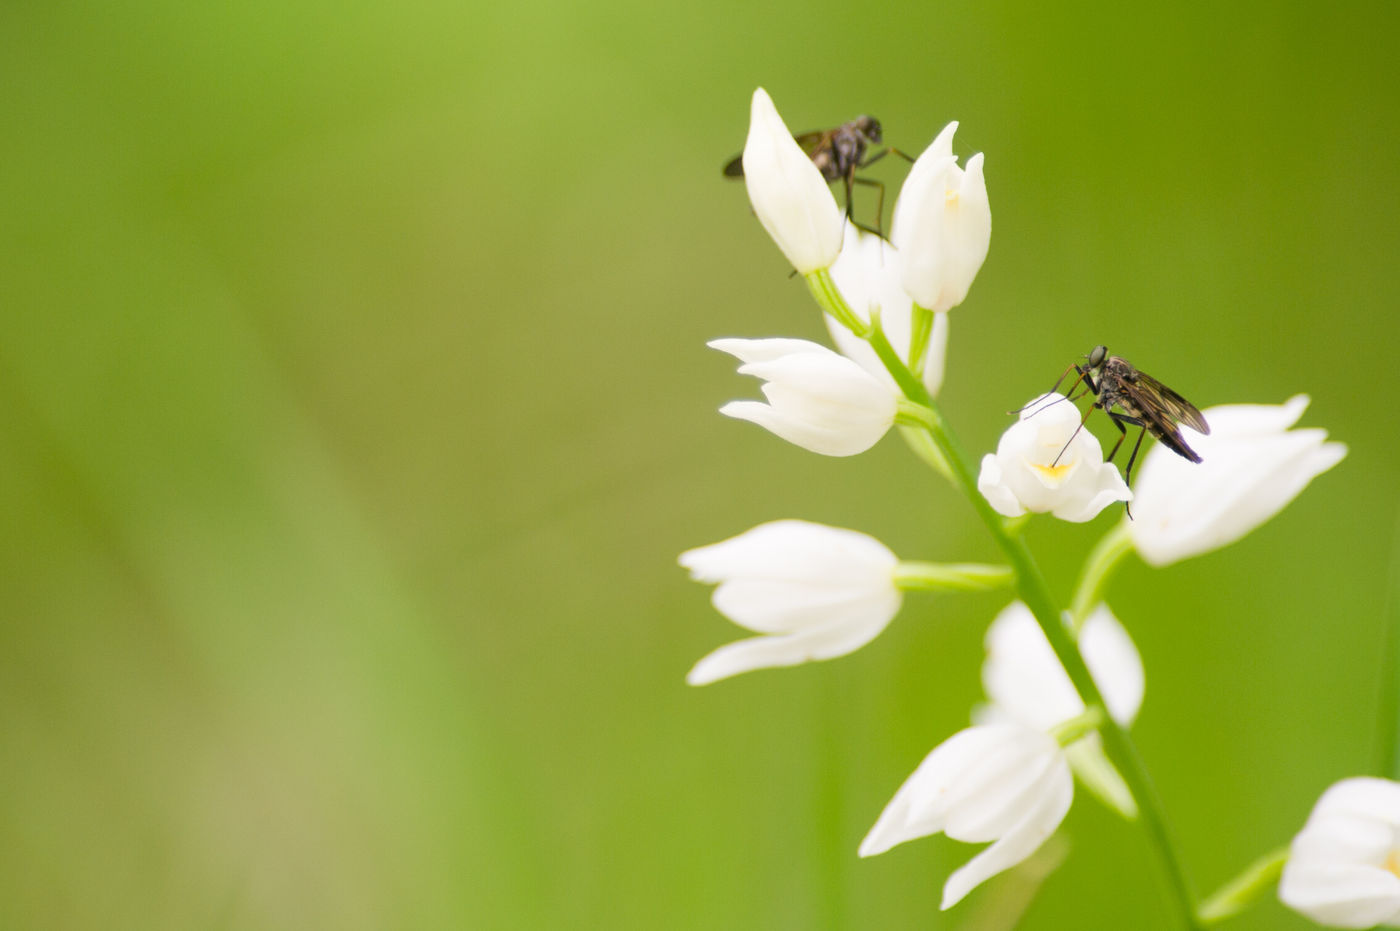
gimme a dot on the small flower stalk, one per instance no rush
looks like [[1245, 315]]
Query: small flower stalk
[[813, 592], [1253, 466], [1046, 463], [1006, 783], [817, 399], [1343, 869], [942, 225], [788, 193]]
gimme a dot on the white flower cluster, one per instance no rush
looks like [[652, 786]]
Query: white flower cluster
[[813, 592]]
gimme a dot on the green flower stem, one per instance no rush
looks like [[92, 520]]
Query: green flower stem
[[824, 291], [960, 576], [910, 414], [1236, 895], [1098, 569], [1035, 592], [1078, 727], [918, 340], [1388, 707], [923, 446]]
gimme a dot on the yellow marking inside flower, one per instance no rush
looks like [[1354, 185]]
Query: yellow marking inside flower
[[1392, 862], [1052, 472]]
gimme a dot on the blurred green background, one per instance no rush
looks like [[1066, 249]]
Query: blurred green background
[[354, 406]]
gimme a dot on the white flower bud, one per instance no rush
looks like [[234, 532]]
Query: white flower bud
[[869, 273], [788, 192], [817, 398], [942, 225]]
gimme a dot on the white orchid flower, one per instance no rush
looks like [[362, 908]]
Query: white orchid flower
[[1253, 466], [942, 224], [1025, 682], [1024, 678], [817, 398], [869, 273], [788, 193], [1343, 868], [1044, 462], [814, 592], [1005, 783]]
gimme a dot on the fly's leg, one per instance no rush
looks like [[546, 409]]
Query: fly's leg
[[879, 210], [887, 150], [1118, 421], [1082, 421], [1084, 376]]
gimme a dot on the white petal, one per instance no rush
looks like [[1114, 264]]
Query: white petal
[[1248, 475], [825, 591], [794, 548], [1023, 676], [818, 399], [918, 229], [788, 193], [935, 360], [1362, 796], [815, 438], [925, 175], [773, 652], [1046, 463], [1115, 664], [1019, 842], [1341, 896], [992, 483], [782, 606], [995, 795], [868, 274], [919, 807], [765, 350], [1340, 870], [1102, 486], [968, 236]]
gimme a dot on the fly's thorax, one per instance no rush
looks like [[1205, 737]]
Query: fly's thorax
[[847, 147]]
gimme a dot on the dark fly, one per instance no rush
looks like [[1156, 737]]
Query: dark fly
[[1142, 401], [838, 153]]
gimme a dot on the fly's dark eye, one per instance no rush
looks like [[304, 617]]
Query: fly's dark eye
[[1097, 356]]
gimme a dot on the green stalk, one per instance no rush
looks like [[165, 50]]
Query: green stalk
[[1098, 569], [1035, 592], [912, 575], [1237, 894], [1388, 705], [830, 300]]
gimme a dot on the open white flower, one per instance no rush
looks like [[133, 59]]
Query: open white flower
[[813, 591], [868, 273], [788, 193], [942, 224], [1034, 470], [1026, 683], [817, 398], [1023, 677], [1343, 869], [1005, 783], [1252, 467]]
